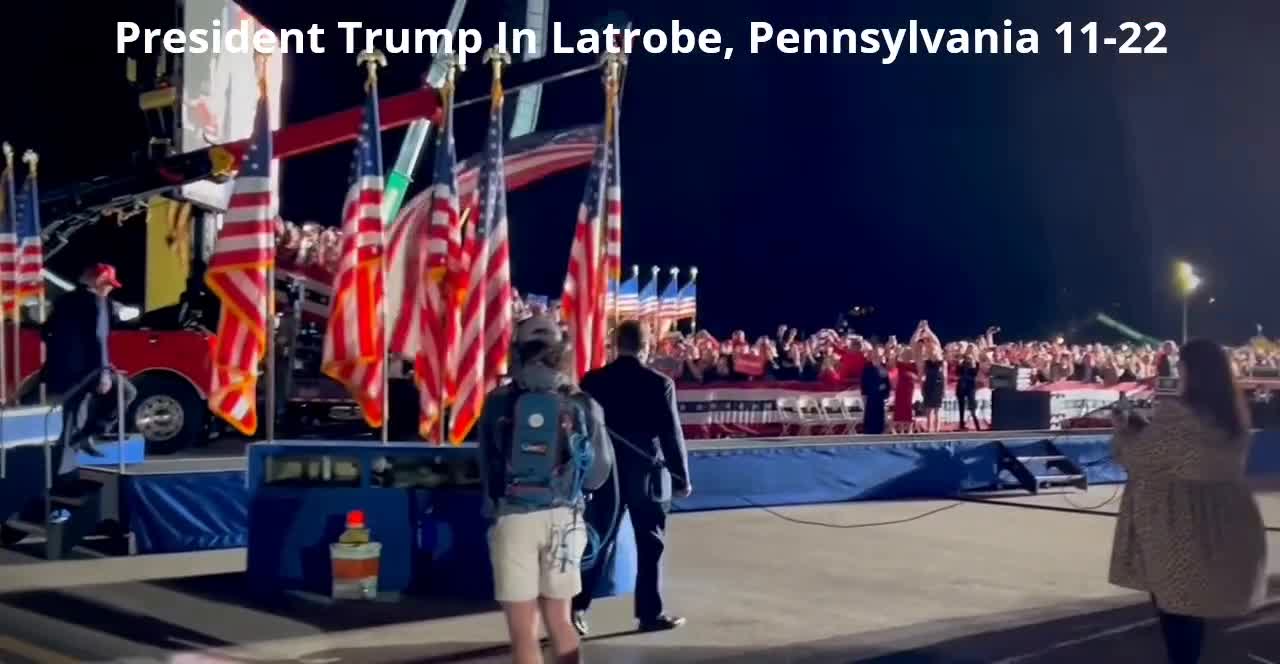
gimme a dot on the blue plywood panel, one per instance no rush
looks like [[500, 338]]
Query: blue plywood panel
[[134, 451]]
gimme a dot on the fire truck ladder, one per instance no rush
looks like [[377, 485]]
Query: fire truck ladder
[[71, 208]]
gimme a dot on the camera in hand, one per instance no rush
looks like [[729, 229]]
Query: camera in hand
[[1125, 410]]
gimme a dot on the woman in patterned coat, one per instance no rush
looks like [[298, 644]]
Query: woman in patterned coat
[[1190, 532]]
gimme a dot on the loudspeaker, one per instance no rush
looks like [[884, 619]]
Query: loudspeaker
[[1016, 410], [1005, 376]]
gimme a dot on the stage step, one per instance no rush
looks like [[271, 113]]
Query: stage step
[[1058, 480], [1042, 465], [78, 503], [1041, 459]]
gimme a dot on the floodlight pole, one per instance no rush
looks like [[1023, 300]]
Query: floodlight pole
[[1186, 305]]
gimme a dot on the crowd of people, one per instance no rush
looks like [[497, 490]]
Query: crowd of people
[[836, 359], [910, 379]]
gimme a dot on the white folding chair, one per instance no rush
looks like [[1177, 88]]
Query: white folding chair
[[788, 414], [812, 416], [839, 420]]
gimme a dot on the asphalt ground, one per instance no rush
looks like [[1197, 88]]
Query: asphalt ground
[[1006, 579]]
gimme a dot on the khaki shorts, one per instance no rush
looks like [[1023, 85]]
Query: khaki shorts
[[537, 554]]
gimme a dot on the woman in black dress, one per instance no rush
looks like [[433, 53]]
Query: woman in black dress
[[967, 387], [935, 380], [932, 369]]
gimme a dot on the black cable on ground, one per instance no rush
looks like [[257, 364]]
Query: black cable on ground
[[1032, 506], [847, 526], [1091, 508], [1072, 510]]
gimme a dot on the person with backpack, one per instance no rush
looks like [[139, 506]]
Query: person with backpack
[[543, 445]]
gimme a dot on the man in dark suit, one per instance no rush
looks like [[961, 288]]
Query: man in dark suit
[[651, 465], [77, 372]]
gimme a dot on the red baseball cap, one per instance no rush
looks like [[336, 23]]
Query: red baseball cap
[[104, 272]]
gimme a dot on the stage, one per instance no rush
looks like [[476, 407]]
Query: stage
[[285, 500], [202, 503]]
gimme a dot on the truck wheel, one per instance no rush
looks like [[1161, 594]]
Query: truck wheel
[[168, 414]]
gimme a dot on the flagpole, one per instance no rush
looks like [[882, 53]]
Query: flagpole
[[453, 65], [31, 160], [693, 320], [635, 276], [618, 64], [675, 315], [44, 395], [657, 298], [4, 315], [17, 332], [613, 63], [442, 424], [371, 60], [270, 330]]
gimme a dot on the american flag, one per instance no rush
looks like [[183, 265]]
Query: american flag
[[242, 257], [649, 298], [583, 303], [532, 157], [487, 319], [668, 304], [30, 273], [687, 301], [354, 352], [612, 273], [425, 248], [526, 160], [629, 298], [8, 242]]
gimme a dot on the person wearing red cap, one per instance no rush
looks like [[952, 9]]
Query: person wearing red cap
[[78, 371]]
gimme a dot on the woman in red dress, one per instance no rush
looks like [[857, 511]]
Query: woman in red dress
[[904, 392]]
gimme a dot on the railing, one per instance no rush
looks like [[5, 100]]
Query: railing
[[48, 444]]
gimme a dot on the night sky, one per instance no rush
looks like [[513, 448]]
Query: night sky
[[1025, 191]]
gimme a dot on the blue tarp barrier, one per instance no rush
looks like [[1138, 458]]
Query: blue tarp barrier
[[189, 512], [836, 472], [1264, 457], [172, 513]]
